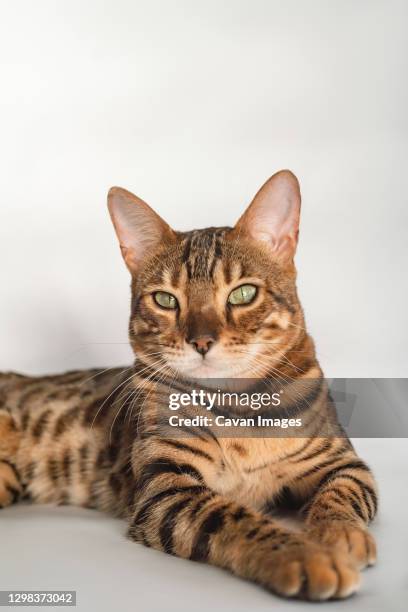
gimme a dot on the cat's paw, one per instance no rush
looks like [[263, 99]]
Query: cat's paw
[[10, 486], [348, 539], [310, 571]]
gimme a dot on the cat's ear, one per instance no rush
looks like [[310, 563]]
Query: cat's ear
[[273, 215], [139, 229]]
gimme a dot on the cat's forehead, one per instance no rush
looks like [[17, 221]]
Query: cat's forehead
[[207, 256], [201, 250]]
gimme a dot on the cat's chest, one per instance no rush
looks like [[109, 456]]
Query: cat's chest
[[251, 471]]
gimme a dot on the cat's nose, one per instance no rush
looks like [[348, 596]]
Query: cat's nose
[[202, 344]]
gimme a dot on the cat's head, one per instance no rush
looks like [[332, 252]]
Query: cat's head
[[216, 302]]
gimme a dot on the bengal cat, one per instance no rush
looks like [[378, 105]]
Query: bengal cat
[[217, 302]]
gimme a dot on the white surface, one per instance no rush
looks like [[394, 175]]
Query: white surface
[[82, 550], [192, 105]]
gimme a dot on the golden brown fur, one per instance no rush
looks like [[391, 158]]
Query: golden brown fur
[[92, 438]]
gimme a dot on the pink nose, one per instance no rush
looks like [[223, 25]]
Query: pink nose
[[202, 344]]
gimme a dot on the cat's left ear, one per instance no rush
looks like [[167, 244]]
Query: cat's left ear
[[140, 231], [273, 215]]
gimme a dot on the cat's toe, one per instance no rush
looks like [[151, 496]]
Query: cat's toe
[[316, 574], [348, 539]]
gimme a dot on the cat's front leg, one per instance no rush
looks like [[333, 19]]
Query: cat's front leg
[[344, 503], [175, 511]]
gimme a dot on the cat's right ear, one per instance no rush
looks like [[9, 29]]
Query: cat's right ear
[[139, 229]]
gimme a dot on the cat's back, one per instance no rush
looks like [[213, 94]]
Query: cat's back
[[57, 432], [37, 401], [25, 389]]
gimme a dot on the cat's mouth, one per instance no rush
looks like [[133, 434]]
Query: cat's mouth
[[216, 364]]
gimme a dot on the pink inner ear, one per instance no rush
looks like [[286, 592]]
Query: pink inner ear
[[139, 229], [273, 215]]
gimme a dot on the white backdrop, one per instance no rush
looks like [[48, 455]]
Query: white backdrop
[[192, 105]]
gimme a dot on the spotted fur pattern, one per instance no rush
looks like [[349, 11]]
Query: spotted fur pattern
[[89, 438]]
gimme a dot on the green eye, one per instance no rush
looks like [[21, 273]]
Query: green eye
[[165, 300], [242, 295]]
